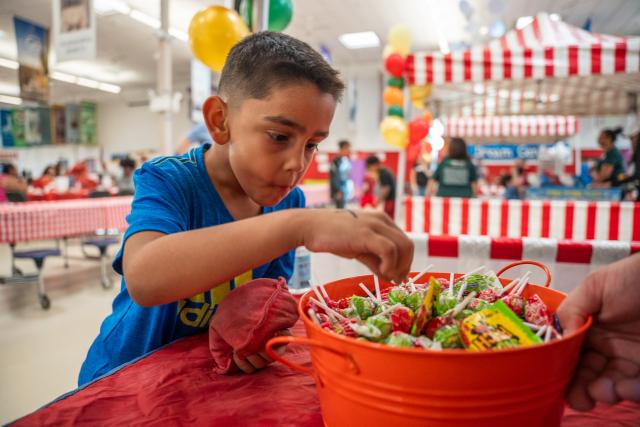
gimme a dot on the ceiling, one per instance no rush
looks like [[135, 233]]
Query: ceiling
[[126, 48]]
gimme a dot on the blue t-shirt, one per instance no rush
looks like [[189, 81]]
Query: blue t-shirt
[[173, 194]]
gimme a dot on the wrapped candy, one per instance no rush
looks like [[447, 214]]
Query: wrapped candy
[[382, 323], [425, 312], [477, 304], [535, 311], [489, 295], [423, 342], [400, 339], [397, 295], [515, 303], [448, 336], [475, 282], [436, 323], [444, 283], [366, 330], [464, 313], [495, 327], [413, 300], [360, 307], [444, 303], [401, 319], [343, 327]]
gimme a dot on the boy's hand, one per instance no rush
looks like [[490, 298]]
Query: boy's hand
[[370, 237], [260, 360]]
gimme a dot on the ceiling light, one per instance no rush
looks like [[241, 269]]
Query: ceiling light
[[523, 21], [14, 100], [64, 77], [8, 63], [180, 35], [554, 17], [484, 30], [109, 7], [107, 87], [87, 83], [361, 40], [145, 19]]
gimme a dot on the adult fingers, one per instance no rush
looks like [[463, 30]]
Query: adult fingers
[[244, 366], [578, 395], [584, 300], [257, 361]]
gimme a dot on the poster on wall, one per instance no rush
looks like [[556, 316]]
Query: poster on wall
[[58, 125], [72, 123], [33, 50], [88, 123], [74, 29], [32, 127], [17, 127], [200, 89], [6, 131]]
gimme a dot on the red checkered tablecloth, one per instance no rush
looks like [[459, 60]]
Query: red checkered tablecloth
[[21, 222]]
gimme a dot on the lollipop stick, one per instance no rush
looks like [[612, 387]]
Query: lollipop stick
[[547, 335], [376, 283], [451, 280], [541, 331], [524, 284], [324, 291], [368, 292], [330, 312], [475, 270], [461, 305], [389, 310], [532, 326], [312, 315], [314, 288], [508, 287], [461, 292], [415, 278]]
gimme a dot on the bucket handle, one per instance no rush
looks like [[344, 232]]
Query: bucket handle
[[283, 340], [523, 262]]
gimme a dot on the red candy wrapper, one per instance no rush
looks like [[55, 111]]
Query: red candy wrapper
[[444, 283], [436, 323], [401, 319], [488, 295], [515, 303], [536, 311], [342, 327]]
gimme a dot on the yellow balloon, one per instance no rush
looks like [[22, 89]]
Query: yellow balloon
[[394, 131], [213, 32], [419, 104], [419, 93], [400, 39]]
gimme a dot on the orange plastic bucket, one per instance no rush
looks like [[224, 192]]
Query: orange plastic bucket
[[369, 384]]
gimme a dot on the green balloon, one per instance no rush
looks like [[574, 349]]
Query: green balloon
[[280, 13], [396, 82], [395, 110]]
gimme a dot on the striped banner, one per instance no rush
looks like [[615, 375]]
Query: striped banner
[[511, 126], [558, 219]]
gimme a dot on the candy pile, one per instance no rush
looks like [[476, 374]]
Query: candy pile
[[472, 312]]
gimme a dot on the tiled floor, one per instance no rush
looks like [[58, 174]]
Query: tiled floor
[[41, 351]]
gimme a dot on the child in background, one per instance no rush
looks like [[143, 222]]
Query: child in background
[[223, 214], [368, 199]]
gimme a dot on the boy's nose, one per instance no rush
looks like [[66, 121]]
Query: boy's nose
[[295, 161]]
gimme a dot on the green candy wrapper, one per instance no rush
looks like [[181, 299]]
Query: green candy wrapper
[[382, 323], [448, 336], [397, 296], [444, 303], [464, 314], [475, 282], [414, 300], [362, 307], [400, 339]]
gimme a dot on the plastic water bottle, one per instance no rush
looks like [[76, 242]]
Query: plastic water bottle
[[301, 277]]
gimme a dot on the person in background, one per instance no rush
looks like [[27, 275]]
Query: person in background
[[13, 187], [48, 175], [61, 169], [386, 183], [420, 176], [340, 175], [632, 179], [368, 199], [125, 181], [610, 168], [455, 176], [198, 135], [519, 174]]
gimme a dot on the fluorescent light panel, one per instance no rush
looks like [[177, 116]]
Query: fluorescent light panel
[[362, 40], [8, 63], [14, 100]]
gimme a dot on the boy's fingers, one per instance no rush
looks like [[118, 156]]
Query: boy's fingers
[[244, 366], [386, 251], [404, 247], [257, 361], [629, 389]]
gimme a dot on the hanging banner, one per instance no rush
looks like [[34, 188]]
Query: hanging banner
[[74, 29], [6, 128], [88, 123], [72, 123], [201, 89], [33, 50]]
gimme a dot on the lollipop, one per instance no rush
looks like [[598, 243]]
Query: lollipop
[[425, 312], [400, 339], [448, 336], [444, 303], [382, 323], [477, 304], [535, 311], [515, 303], [436, 323], [397, 295], [360, 307], [402, 319], [413, 300], [489, 295]]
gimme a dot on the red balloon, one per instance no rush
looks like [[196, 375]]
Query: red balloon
[[418, 129], [394, 64]]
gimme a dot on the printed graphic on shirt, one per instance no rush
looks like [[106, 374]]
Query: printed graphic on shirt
[[453, 175], [197, 310]]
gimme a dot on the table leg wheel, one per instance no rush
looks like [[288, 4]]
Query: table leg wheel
[[45, 303]]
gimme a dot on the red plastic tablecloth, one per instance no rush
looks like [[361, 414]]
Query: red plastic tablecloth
[[176, 386]]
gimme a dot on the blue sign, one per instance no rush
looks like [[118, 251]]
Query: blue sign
[[505, 151], [569, 193], [6, 128]]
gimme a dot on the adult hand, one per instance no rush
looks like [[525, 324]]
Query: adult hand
[[260, 360], [609, 370]]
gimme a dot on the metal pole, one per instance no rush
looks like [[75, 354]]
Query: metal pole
[[165, 77], [260, 20]]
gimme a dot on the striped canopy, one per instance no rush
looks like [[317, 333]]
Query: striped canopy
[[512, 126], [544, 48]]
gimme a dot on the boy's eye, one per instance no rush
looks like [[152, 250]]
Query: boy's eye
[[311, 147], [278, 137]]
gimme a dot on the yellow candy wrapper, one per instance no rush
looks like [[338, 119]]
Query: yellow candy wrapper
[[425, 312], [496, 327]]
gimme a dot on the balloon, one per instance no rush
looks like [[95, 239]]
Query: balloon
[[400, 39], [419, 92], [388, 50], [393, 96], [418, 129], [395, 110], [419, 104], [396, 82], [394, 64], [213, 32], [394, 131], [428, 117], [280, 13]]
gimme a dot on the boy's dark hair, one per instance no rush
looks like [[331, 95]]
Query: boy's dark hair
[[128, 162], [372, 161], [344, 144], [458, 149], [265, 60]]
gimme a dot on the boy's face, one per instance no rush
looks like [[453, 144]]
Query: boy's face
[[272, 140]]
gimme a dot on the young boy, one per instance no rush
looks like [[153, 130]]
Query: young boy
[[219, 216]]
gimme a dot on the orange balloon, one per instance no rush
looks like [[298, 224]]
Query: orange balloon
[[393, 96], [428, 116]]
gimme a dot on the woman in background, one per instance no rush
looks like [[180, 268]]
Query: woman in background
[[609, 170], [455, 176], [13, 187]]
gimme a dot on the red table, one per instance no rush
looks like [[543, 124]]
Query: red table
[[176, 386], [21, 222]]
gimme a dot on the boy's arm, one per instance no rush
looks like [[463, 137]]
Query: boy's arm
[[161, 268]]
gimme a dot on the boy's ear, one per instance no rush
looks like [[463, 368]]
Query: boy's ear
[[215, 111]]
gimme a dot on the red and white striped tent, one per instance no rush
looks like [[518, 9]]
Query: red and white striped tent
[[541, 127], [548, 66]]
